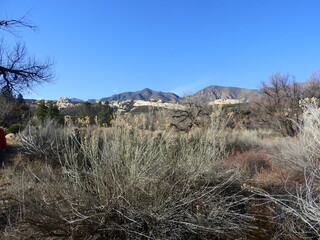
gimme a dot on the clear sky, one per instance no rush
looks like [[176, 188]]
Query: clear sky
[[103, 47]]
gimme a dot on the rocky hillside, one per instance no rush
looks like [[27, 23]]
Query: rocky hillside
[[214, 92], [145, 94]]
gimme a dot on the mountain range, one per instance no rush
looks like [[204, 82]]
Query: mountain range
[[145, 94], [207, 94]]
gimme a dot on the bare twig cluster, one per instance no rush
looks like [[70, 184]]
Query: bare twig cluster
[[10, 25]]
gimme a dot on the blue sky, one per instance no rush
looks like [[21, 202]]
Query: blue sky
[[103, 47]]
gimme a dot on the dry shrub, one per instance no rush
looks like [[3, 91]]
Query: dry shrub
[[252, 161], [301, 156], [43, 141], [151, 119], [256, 163], [126, 183], [244, 140]]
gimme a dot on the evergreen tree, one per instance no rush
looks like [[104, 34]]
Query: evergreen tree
[[7, 94], [48, 112], [104, 113], [13, 109], [53, 112], [7, 104], [41, 111], [20, 100], [87, 110]]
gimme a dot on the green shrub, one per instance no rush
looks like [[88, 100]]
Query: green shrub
[[15, 128]]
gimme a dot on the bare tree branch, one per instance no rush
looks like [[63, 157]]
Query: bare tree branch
[[12, 24], [18, 71]]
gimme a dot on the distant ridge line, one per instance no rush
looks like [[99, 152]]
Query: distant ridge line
[[208, 94]]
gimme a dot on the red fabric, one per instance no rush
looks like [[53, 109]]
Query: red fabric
[[3, 143]]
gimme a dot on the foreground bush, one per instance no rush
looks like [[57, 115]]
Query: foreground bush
[[125, 183], [301, 155]]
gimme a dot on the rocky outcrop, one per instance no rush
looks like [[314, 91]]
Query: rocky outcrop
[[10, 136], [224, 101], [158, 104], [64, 102], [122, 106]]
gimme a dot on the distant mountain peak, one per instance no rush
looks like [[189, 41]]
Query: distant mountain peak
[[146, 89], [144, 94]]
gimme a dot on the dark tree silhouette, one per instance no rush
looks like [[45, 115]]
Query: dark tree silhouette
[[104, 113], [194, 114], [18, 70], [41, 111]]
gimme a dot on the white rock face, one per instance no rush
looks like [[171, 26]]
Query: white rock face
[[159, 104], [122, 106], [64, 102], [224, 101]]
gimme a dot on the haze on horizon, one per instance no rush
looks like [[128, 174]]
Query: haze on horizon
[[105, 47]]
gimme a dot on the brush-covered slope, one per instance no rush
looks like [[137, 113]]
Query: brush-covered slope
[[214, 92]]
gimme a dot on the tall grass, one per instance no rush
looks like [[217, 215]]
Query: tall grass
[[127, 183]]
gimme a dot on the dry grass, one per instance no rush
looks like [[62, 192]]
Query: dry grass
[[135, 182], [127, 183]]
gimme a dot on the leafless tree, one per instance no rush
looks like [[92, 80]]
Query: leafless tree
[[194, 114], [279, 105], [18, 70], [312, 87]]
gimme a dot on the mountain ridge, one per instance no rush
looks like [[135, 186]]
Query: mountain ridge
[[208, 94], [144, 94]]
